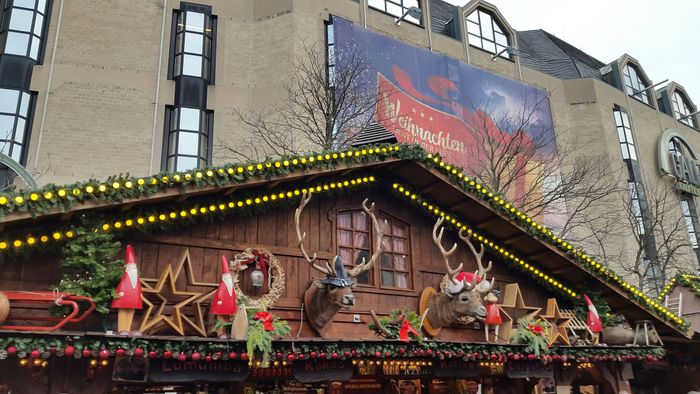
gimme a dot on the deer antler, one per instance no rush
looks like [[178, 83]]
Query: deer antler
[[378, 323], [437, 238], [328, 269], [378, 235], [482, 271]]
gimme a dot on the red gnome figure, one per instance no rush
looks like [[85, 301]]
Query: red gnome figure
[[493, 316], [223, 306], [593, 321], [128, 295]]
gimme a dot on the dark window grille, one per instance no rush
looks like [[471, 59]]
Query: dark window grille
[[188, 138], [15, 113], [194, 32], [624, 135], [634, 85], [21, 34], [682, 108]]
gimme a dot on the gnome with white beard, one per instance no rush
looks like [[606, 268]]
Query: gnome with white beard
[[223, 306], [128, 295]]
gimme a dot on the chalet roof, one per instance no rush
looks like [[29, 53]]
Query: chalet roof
[[51, 214]]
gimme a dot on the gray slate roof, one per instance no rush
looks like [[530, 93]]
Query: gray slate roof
[[546, 53]]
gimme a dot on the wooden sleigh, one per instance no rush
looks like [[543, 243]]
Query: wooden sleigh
[[47, 299]]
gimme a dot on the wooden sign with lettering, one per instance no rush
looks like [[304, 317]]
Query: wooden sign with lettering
[[529, 370], [309, 371], [175, 371], [458, 368]]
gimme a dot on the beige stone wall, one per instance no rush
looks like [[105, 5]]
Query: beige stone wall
[[102, 117]]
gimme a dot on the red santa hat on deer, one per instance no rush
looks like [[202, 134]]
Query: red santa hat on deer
[[224, 302], [129, 288], [593, 321]]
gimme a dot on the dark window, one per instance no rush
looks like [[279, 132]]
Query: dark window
[[187, 142], [194, 34], [485, 32], [22, 32], [624, 134], [396, 8], [690, 216], [15, 109], [355, 243], [634, 85], [682, 108], [636, 206], [330, 54]]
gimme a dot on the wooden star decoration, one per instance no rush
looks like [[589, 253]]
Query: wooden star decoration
[[155, 318], [557, 323], [505, 328], [514, 309]]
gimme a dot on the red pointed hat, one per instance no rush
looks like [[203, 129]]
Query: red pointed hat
[[130, 258], [224, 265]]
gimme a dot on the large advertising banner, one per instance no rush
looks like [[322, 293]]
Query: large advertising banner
[[452, 108]]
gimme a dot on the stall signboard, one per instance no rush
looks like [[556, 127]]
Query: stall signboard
[[529, 370], [458, 368], [175, 371], [309, 371]]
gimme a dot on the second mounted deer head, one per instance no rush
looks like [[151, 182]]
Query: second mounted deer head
[[460, 292], [326, 296]]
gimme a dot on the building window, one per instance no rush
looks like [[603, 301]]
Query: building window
[[23, 33], [15, 107], [636, 207], [194, 34], [330, 54], [624, 134], [396, 8], [188, 138], [634, 85], [486, 33], [690, 216], [355, 244], [682, 108]]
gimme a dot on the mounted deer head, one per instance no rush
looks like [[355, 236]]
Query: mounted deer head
[[460, 294], [325, 297]]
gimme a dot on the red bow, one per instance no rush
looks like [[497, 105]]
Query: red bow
[[405, 329], [266, 318], [536, 329], [258, 257]]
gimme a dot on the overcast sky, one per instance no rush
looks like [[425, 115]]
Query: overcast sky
[[664, 36]]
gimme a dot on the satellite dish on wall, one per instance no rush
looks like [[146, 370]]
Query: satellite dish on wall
[[10, 170]]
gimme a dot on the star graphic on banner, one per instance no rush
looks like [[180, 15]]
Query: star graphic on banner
[[556, 323], [165, 302]]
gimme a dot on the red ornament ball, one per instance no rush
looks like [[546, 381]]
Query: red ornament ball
[[334, 355], [280, 355], [244, 356], [207, 358], [402, 350], [494, 357], [152, 354], [68, 351], [87, 353], [167, 354], [196, 356], [377, 354], [290, 357], [52, 349], [322, 355], [104, 353], [11, 350], [120, 352], [516, 357], [138, 352], [182, 357], [347, 354], [35, 354], [531, 356], [232, 355], [302, 356], [314, 354]]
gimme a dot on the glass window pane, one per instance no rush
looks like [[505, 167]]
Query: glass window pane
[[386, 261], [345, 237], [194, 43], [359, 221], [189, 119], [398, 230], [21, 19], [41, 6], [187, 143], [400, 263], [34, 52], [633, 152], [5, 147], [24, 3], [401, 280], [473, 28], [361, 240], [192, 65], [387, 278], [24, 107], [17, 43], [16, 154], [8, 100], [186, 163], [394, 9], [172, 144], [473, 17], [195, 21], [38, 24], [489, 46], [379, 4], [19, 131], [7, 124], [171, 163], [501, 39], [486, 26], [399, 245]]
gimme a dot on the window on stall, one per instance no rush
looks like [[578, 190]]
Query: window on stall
[[355, 237]]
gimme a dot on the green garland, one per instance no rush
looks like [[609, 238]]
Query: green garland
[[607, 317], [94, 346], [89, 265], [690, 281], [532, 334], [393, 322]]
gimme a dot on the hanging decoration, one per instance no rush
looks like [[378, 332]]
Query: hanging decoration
[[557, 324], [448, 306], [270, 270], [402, 324], [128, 298], [532, 334], [223, 305], [155, 296], [263, 326]]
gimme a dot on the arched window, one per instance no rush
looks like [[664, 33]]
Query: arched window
[[634, 84], [682, 108], [354, 236], [485, 32]]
